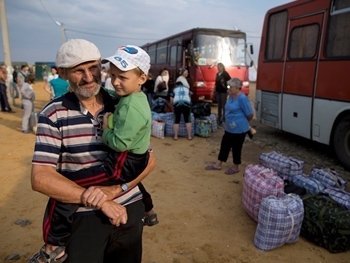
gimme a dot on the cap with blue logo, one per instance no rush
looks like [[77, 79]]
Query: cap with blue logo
[[129, 57]]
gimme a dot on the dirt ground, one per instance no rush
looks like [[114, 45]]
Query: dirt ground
[[200, 212]]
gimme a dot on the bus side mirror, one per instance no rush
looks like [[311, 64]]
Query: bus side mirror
[[251, 49]]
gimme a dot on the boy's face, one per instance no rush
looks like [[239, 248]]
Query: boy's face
[[126, 82]]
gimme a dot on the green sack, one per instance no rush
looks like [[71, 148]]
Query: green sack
[[326, 223]]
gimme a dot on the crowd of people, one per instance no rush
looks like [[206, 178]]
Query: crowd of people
[[91, 165]]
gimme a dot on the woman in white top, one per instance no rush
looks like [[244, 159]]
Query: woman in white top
[[163, 77], [28, 97], [183, 78]]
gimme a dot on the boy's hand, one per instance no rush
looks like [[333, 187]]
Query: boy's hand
[[105, 121]]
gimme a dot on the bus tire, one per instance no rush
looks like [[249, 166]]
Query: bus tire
[[341, 141]]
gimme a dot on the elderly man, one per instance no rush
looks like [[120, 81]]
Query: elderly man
[[68, 140]]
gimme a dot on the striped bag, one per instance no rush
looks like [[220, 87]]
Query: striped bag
[[311, 185], [259, 182], [213, 122], [340, 196], [279, 222], [328, 177], [286, 167]]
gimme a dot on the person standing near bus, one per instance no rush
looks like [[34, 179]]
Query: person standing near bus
[[161, 87], [220, 91], [183, 78], [239, 112]]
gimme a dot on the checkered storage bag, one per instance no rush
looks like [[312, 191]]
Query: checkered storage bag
[[157, 129], [202, 127], [279, 221], [340, 196], [259, 182], [311, 185], [169, 122], [286, 167], [328, 177], [213, 122]]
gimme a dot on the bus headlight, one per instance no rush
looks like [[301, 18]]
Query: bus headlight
[[245, 83]]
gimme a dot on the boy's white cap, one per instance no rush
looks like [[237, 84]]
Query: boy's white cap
[[75, 52], [129, 57]]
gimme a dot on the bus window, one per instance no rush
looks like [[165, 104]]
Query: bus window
[[338, 40], [209, 50], [161, 52], [173, 56], [152, 53], [276, 34], [303, 42]]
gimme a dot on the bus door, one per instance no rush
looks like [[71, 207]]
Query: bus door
[[300, 72], [173, 62]]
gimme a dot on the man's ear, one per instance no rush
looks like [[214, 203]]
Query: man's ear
[[62, 72]]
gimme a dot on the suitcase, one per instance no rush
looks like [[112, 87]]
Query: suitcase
[[279, 221], [311, 185], [286, 167], [259, 182], [33, 121], [326, 223]]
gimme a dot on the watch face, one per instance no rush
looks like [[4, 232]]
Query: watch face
[[124, 187]]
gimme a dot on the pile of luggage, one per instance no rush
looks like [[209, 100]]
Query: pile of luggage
[[287, 203], [202, 120]]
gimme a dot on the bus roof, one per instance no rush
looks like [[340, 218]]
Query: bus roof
[[205, 31]]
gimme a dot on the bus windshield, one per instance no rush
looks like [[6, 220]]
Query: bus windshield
[[210, 50]]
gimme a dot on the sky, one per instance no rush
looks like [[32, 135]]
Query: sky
[[35, 34]]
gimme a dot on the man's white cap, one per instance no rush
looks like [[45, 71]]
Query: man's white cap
[[75, 52], [129, 57]]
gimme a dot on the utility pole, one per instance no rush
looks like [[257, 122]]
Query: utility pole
[[6, 45], [5, 34]]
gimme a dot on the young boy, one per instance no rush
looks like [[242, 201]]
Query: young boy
[[127, 132]]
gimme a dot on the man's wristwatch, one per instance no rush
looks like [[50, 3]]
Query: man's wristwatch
[[124, 187]]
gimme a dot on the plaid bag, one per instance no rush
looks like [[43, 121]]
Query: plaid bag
[[202, 127], [169, 122], [340, 196], [259, 182], [157, 129], [286, 167], [311, 185], [279, 221], [213, 122], [326, 223], [328, 177]]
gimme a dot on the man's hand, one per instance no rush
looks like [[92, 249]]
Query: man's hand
[[115, 212], [95, 196]]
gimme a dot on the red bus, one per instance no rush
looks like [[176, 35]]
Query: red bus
[[303, 72], [199, 50]]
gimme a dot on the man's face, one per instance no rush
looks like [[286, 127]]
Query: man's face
[[85, 79]]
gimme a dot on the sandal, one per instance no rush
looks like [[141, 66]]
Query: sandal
[[150, 220], [231, 171], [212, 167], [48, 257]]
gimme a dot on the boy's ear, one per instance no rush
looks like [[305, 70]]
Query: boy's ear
[[143, 78]]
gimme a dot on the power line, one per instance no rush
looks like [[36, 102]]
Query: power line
[[47, 12], [109, 36]]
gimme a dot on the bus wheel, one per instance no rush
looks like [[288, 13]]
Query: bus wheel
[[341, 141]]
